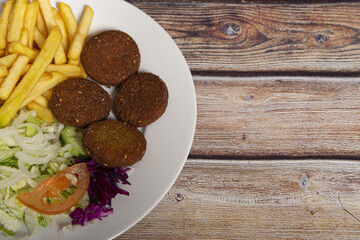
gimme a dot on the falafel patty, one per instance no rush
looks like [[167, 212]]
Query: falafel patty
[[141, 99], [79, 102], [114, 143], [110, 57]]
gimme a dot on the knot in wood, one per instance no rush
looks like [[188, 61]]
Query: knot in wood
[[249, 98], [320, 38], [304, 181], [230, 29], [244, 137], [179, 197]]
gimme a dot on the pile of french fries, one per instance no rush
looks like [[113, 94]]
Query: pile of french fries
[[40, 46]]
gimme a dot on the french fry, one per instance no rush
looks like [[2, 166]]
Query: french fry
[[15, 71], [77, 44], [41, 112], [2, 52], [39, 38], [40, 24], [24, 39], [60, 56], [3, 71], [42, 101], [8, 60], [45, 77], [22, 90], [31, 13], [67, 69], [17, 47], [13, 76], [4, 21], [69, 20], [26, 69], [83, 72], [47, 13], [43, 86], [59, 21], [74, 61], [47, 94], [16, 21]]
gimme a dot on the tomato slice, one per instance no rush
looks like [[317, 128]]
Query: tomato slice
[[53, 186]]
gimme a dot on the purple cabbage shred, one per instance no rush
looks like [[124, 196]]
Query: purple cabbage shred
[[92, 211], [102, 188]]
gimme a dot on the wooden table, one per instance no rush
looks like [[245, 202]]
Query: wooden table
[[278, 130]]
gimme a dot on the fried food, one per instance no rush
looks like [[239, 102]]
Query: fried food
[[41, 112], [16, 69], [47, 13], [110, 57], [45, 83], [79, 102], [69, 70], [69, 20], [30, 20], [39, 38], [13, 76], [16, 21], [3, 71], [60, 23], [77, 44], [18, 96], [141, 99], [114, 143], [40, 24], [8, 60], [17, 47], [4, 21]]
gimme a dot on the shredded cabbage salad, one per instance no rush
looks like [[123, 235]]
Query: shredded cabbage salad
[[30, 151]]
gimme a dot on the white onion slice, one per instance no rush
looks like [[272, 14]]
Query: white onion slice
[[15, 177], [64, 148], [25, 144], [23, 117], [34, 160], [8, 131], [25, 170], [44, 151], [31, 182]]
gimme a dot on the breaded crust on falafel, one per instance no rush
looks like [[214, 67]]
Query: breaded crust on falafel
[[110, 57], [141, 99], [79, 102], [114, 143]]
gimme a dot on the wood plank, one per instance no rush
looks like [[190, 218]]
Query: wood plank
[[257, 200], [272, 117], [263, 37]]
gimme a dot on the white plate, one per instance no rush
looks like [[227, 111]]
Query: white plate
[[168, 139]]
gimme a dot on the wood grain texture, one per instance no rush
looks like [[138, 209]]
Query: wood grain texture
[[257, 200], [270, 117], [263, 37], [263, 118]]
